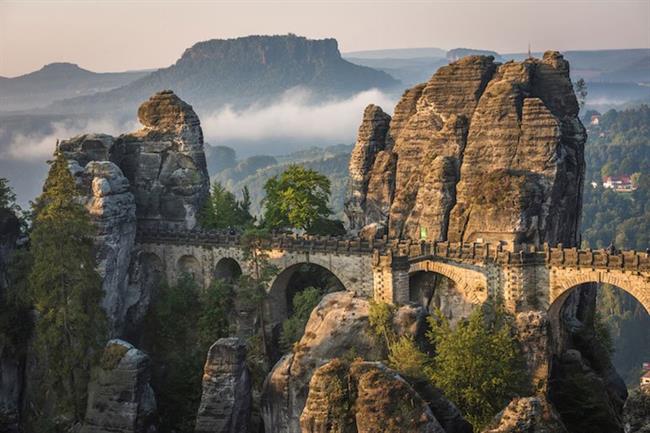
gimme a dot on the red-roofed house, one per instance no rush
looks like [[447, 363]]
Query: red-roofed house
[[621, 183], [645, 379]]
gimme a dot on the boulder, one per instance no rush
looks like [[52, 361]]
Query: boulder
[[364, 397], [481, 152], [120, 398], [527, 415], [337, 327], [226, 400]]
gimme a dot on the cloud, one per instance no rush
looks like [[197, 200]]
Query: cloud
[[40, 146], [294, 117]]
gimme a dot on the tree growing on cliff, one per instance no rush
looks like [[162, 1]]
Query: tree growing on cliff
[[297, 198], [477, 364], [66, 291], [252, 286]]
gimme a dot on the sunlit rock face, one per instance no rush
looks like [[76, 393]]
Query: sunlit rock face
[[364, 397], [337, 327], [157, 174], [482, 151], [527, 415]]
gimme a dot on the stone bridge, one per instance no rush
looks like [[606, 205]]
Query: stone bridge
[[528, 278]]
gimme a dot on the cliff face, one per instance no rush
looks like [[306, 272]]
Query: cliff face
[[157, 174], [482, 151]]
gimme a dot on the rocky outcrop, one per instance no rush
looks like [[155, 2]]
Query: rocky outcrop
[[371, 141], [155, 175], [111, 206], [446, 413], [226, 400], [528, 415], [482, 151], [637, 411], [120, 399], [337, 327], [364, 397], [164, 162]]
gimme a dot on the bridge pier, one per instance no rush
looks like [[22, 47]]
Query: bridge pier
[[390, 275]]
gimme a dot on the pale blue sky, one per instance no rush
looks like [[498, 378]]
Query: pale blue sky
[[120, 35]]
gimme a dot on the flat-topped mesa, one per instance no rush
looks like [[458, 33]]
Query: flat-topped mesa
[[481, 152]]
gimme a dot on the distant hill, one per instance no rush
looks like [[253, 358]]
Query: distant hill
[[397, 53], [58, 81], [408, 71], [241, 72]]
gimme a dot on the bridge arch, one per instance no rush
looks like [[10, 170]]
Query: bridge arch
[[292, 280], [453, 289], [228, 269], [472, 283], [564, 280], [190, 265]]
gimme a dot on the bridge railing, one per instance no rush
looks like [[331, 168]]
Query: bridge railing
[[604, 259], [458, 251], [218, 238]]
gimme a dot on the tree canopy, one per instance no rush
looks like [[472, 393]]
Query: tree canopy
[[297, 198], [477, 364]]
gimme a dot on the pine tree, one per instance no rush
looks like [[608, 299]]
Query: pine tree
[[66, 292], [222, 210]]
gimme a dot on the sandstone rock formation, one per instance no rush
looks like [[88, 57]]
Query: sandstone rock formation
[[111, 206], [164, 161], [364, 397], [482, 151], [337, 327], [226, 400], [155, 175], [120, 399], [528, 415]]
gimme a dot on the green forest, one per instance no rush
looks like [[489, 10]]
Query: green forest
[[620, 145]]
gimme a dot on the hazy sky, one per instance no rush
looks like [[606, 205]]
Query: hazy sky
[[120, 35]]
